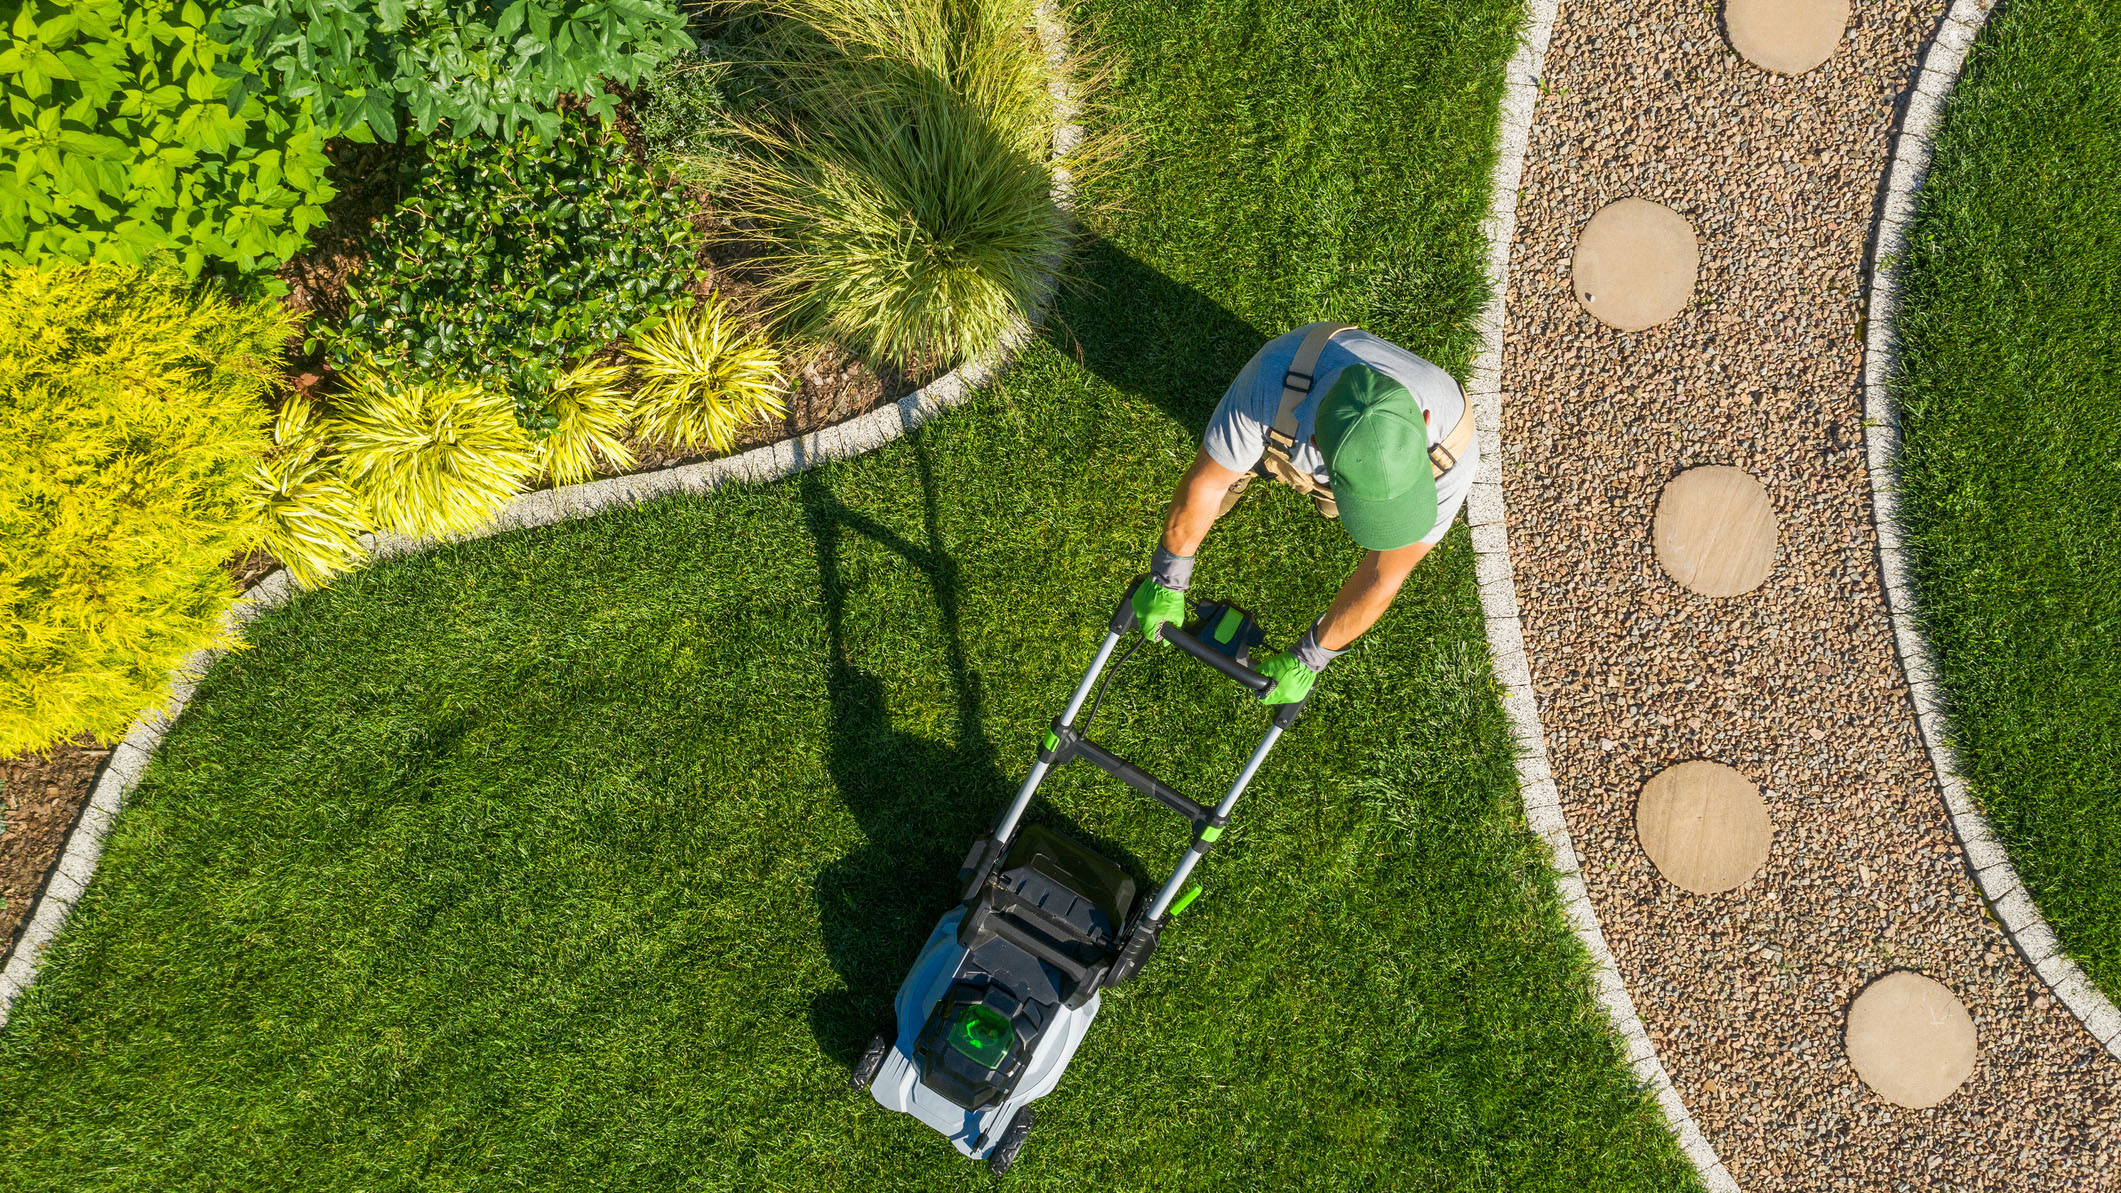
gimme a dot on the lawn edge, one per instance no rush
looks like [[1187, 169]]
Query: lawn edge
[[82, 849], [1994, 875], [1497, 579]]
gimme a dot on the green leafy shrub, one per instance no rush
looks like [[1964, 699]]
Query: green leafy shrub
[[903, 190], [126, 142], [590, 409], [430, 458], [482, 66], [513, 258], [307, 516], [696, 103], [702, 376], [131, 411], [689, 121]]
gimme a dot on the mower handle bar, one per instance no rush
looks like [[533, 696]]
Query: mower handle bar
[[1259, 684], [1123, 619]]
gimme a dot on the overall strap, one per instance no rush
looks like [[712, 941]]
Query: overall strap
[[1444, 454], [1296, 383]]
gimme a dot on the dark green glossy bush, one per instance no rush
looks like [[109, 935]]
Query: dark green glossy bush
[[513, 259]]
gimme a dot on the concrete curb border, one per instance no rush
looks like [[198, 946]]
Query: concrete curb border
[[1485, 517], [83, 847], [1994, 875]]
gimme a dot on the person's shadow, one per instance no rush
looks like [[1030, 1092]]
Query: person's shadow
[[919, 802], [1145, 334]]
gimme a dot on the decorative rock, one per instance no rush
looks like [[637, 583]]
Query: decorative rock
[[1634, 264], [1715, 530], [1910, 1039], [1785, 36], [1704, 825]]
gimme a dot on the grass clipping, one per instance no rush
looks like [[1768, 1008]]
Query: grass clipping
[[903, 192]]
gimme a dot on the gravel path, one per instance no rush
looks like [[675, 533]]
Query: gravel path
[[1796, 683]]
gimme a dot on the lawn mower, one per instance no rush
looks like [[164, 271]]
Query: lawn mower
[[1006, 986]]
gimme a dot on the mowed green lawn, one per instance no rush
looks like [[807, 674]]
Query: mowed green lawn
[[2012, 473], [589, 857]]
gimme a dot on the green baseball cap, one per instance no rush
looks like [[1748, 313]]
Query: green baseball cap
[[1376, 445]]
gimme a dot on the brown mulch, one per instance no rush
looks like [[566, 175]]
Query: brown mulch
[[1796, 684], [40, 798]]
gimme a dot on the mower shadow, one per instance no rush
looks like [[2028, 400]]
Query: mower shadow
[[919, 802]]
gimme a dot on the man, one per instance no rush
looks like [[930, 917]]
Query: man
[[1377, 436]]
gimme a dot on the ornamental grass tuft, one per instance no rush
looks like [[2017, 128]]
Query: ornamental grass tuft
[[430, 458], [591, 408], [703, 376], [902, 189], [307, 516]]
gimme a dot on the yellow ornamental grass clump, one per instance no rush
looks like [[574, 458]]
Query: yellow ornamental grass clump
[[592, 409], [431, 458], [307, 516], [702, 376], [131, 407]]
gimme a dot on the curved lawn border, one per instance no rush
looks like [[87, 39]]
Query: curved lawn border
[[1498, 602], [83, 848], [1994, 875]]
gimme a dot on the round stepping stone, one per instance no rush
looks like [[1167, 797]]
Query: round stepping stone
[[1634, 264], [1910, 1039], [1704, 826], [1715, 531], [1785, 36]]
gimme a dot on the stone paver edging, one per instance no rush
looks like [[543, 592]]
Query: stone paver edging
[[1993, 873], [1485, 510], [83, 847]]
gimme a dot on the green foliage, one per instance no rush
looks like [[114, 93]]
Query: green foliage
[[430, 458], [690, 120], [702, 377], [131, 410], [481, 66], [513, 258], [903, 191], [308, 518], [127, 142], [590, 410]]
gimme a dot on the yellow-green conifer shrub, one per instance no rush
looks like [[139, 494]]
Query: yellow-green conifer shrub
[[131, 409], [592, 408], [307, 516], [703, 376], [430, 458]]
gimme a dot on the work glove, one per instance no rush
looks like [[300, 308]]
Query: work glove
[[1162, 597], [1292, 680], [1154, 605], [1296, 669]]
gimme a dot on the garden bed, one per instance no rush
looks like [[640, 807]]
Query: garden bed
[[41, 796]]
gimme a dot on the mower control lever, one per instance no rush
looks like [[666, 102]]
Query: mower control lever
[[1259, 684]]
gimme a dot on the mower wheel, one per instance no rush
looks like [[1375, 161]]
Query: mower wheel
[[872, 1060], [1012, 1141]]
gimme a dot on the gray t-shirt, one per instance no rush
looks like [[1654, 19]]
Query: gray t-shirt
[[1237, 431]]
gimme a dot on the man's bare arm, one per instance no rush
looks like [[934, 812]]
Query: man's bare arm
[[1367, 594], [1195, 506]]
